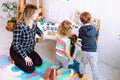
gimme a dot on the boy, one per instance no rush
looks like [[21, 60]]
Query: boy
[[88, 34]]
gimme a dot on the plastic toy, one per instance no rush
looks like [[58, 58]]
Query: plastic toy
[[50, 74]]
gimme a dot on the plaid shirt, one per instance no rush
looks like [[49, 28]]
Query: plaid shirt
[[24, 38]]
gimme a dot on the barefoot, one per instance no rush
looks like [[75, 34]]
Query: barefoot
[[11, 60]]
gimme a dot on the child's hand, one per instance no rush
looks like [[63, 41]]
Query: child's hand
[[71, 59], [43, 37]]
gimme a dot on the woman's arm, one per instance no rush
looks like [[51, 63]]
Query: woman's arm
[[39, 32], [17, 33]]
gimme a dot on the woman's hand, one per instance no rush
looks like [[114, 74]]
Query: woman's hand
[[43, 37], [28, 61]]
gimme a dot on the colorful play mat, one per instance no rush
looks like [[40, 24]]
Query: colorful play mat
[[37, 75]]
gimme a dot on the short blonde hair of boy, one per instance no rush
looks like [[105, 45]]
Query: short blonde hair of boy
[[85, 17], [28, 13], [65, 28]]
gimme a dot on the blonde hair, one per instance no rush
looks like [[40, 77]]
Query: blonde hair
[[65, 29], [27, 13], [85, 17]]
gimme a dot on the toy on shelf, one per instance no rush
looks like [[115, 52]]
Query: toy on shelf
[[76, 17], [50, 28]]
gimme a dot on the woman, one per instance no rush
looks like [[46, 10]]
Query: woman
[[22, 47]]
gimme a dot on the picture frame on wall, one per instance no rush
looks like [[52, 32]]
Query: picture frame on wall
[[76, 17]]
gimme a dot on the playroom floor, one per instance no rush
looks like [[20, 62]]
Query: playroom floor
[[46, 50]]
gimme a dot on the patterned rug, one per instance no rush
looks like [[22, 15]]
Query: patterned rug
[[37, 75]]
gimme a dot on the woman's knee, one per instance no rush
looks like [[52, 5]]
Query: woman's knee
[[29, 69], [38, 63]]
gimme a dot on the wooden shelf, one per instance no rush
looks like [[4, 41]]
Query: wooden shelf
[[21, 6]]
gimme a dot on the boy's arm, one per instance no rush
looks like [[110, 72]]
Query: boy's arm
[[97, 34], [79, 36]]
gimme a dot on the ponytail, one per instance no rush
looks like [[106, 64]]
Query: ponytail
[[73, 39], [72, 49]]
